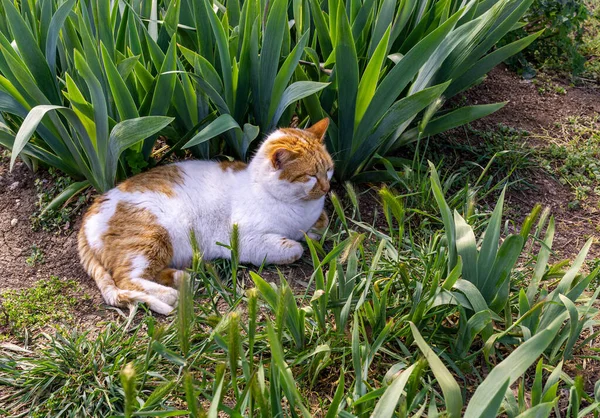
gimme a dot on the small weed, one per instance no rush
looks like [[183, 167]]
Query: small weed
[[576, 162], [58, 219], [48, 301], [560, 90], [545, 85], [36, 257]]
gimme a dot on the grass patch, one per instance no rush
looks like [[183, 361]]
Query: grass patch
[[485, 158], [343, 343], [50, 301], [575, 160]]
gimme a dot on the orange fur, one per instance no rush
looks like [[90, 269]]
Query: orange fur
[[159, 179], [301, 154], [232, 165], [321, 222], [133, 231]]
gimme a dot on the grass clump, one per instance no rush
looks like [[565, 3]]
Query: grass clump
[[48, 301]]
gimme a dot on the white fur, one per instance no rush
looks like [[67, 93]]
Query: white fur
[[210, 200]]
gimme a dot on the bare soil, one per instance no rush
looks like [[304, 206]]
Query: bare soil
[[543, 117], [17, 203]]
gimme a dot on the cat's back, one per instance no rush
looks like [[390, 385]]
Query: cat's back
[[175, 196]]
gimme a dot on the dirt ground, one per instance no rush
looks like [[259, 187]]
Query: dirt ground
[[17, 204], [543, 115], [526, 110]]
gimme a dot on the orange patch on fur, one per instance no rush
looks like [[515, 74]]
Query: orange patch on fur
[[286, 243], [321, 222], [166, 277], [233, 165], [159, 180], [133, 231]]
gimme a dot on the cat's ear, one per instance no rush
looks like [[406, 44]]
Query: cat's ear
[[280, 156], [319, 129]]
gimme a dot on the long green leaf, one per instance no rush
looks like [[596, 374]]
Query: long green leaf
[[451, 120], [450, 388], [129, 132], [222, 124], [466, 247], [346, 74], [56, 24], [295, 92], [387, 404], [509, 370]]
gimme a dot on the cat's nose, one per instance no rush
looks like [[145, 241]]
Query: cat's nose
[[325, 186]]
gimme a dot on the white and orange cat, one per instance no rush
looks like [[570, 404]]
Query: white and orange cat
[[135, 238]]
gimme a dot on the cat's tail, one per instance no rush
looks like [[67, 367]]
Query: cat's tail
[[111, 294]]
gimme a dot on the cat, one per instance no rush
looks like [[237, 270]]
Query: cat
[[135, 239]]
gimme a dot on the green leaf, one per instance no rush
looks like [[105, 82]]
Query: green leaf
[[99, 106], [394, 120], [292, 393], [269, 56], [295, 92], [169, 355], [67, 194], [159, 394], [466, 247], [475, 325], [387, 404], [31, 54], [29, 126], [368, 81], [499, 275], [541, 262], [129, 132], [321, 29], [332, 412], [121, 95], [484, 65], [489, 247], [446, 213], [346, 74], [221, 124], [213, 411], [450, 388], [383, 24], [510, 369], [284, 75], [542, 410], [400, 75], [451, 120], [165, 86], [56, 24]]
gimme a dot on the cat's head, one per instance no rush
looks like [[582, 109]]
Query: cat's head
[[293, 164]]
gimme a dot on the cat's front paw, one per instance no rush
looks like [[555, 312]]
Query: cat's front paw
[[290, 251]]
